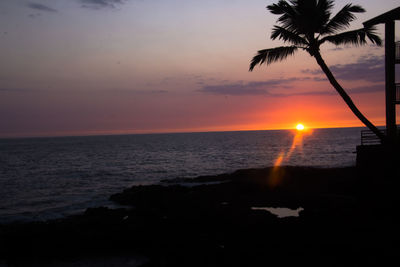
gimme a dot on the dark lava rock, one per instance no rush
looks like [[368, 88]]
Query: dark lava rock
[[214, 225]]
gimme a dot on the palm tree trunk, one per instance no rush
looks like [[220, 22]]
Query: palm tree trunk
[[347, 98]]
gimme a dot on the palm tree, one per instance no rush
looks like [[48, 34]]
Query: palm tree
[[306, 25]]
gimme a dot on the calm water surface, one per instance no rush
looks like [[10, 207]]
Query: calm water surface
[[42, 178]]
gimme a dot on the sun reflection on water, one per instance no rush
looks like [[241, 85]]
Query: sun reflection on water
[[297, 144]]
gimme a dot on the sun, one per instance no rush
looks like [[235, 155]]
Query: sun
[[300, 127]]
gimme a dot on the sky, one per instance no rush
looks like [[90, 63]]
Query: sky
[[82, 67]]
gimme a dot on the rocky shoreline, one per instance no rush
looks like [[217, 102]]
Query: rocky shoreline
[[348, 218]]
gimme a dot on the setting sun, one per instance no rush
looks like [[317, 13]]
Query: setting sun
[[300, 127]]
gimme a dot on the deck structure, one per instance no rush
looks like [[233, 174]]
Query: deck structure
[[392, 57], [372, 153]]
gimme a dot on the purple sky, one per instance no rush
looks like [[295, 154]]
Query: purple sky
[[129, 66]]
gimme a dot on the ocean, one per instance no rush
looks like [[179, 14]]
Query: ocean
[[48, 178]]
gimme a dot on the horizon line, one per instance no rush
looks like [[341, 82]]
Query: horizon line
[[116, 133]]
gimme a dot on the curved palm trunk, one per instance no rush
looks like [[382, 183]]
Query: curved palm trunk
[[347, 98]]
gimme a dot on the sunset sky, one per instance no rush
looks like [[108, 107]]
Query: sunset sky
[[77, 67]]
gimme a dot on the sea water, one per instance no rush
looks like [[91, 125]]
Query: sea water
[[46, 178]]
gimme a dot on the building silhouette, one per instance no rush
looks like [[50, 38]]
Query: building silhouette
[[372, 151]]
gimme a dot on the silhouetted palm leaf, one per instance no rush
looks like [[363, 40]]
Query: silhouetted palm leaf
[[342, 19], [288, 17], [356, 37], [303, 17], [324, 8], [269, 56], [287, 36], [282, 7]]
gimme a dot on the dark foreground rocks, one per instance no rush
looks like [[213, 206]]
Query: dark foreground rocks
[[349, 219]]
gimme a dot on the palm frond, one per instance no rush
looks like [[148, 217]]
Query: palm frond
[[373, 36], [326, 6], [313, 15], [287, 36], [342, 19], [272, 55], [288, 13], [280, 8], [356, 37], [303, 16]]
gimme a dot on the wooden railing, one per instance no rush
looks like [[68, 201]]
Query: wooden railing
[[369, 138]]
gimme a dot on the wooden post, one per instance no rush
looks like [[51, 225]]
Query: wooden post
[[390, 60]]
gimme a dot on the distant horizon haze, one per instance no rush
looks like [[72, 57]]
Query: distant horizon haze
[[121, 133]]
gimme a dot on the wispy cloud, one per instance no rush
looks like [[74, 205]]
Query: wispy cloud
[[134, 91], [41, 7], [371, 69], [14, 90], [267, 89], [250, 88], [100, 4], [246, 90], [110, 91], [368, 89]]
